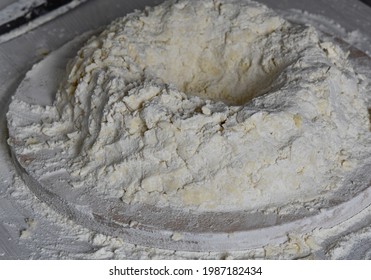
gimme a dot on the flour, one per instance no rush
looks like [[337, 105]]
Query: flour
[[250, 112], [227, 113]]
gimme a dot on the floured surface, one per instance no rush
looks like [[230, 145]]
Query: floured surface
[[150, 116], [214, 255], [16, 11], [126, 126]]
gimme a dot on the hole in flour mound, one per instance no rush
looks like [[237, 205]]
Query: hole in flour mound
[[233, 78], [233, 81], [214, 57], [233, 85]]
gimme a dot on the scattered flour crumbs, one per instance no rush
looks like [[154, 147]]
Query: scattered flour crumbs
[[205, 105]]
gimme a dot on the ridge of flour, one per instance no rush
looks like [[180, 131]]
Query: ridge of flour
[[240, 110]]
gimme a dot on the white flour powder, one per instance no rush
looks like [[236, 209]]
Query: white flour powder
[[208, 106]]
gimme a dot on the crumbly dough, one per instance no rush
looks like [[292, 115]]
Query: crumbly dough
[[208, 105]]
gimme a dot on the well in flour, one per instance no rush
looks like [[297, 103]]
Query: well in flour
[[206, 106]]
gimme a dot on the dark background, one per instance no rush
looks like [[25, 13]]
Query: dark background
[[368, 2]]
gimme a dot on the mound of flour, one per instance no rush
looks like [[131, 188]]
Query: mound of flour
[[206, 105]]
